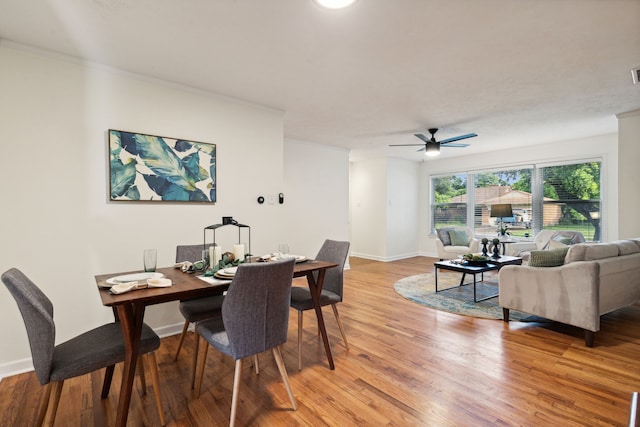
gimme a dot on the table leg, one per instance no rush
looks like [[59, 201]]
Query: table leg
[[130, 317], [436, 274], [316, 289]]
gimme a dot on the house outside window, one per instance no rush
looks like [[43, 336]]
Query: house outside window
[[559, 196]]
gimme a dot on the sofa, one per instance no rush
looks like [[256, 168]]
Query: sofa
[[545, 239], [454, 241], [577, 288]]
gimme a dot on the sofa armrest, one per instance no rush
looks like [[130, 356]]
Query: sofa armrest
[[513, 249], [566, 294]]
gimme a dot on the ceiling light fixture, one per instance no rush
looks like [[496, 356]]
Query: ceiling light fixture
[[335, 4], [432, 149]]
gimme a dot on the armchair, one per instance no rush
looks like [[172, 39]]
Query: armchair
[[454, 241], [545, 239]]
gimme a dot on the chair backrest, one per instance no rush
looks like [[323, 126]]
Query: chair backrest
[[255, 310], [191, 253], [336, 252], [37, 313]]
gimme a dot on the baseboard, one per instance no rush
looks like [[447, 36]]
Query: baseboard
[[389, 259]]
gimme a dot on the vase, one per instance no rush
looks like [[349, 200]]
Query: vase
[[496, 251], [484, 249]]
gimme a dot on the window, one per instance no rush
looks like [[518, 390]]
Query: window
[[572, 198], [512, 186], [449, 205], [559, 196]]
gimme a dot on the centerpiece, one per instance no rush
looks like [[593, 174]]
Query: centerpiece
[[475, 260]]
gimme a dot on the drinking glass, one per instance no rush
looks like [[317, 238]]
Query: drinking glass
[[283, 250], [149, 258]]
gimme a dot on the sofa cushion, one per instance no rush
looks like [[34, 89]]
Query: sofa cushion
[[576, 253], [443, 235], [626, 247], [459, 238], [558, 244], [600, 251], [548, 257]]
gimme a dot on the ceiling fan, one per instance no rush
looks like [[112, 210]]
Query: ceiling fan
[[432, 147]]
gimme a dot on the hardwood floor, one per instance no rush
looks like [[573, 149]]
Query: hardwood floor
[[407, 366]]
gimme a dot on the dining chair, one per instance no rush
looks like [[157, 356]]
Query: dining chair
[[195, 310], [98, 348], [331, 251], [255, 318]]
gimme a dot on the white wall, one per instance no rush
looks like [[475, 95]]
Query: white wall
[[402, 208], [604, 147], [368, 203], [629, 174], [58, 225], [316, 195], [384, 208]]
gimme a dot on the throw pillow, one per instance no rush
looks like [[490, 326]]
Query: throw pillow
[[443, 235], [458, 238], [548, 258]]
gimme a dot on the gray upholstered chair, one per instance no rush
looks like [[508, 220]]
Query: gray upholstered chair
[[255, 318], [195, 310], [332, 251], [98, 348]]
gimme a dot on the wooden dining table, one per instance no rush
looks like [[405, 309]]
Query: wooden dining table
[[129, 311]]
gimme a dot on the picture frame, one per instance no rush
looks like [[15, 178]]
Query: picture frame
[[151, 168]]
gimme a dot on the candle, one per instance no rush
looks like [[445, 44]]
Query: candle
[[211, 257], [238, 252], [217, 255]]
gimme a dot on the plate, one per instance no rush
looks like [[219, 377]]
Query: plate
[[135, 277], [231, 271], [301, 258]]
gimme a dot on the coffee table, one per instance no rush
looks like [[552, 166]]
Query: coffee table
[[460, 266]]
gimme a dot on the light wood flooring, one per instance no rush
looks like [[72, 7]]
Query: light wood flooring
[[407, 366]]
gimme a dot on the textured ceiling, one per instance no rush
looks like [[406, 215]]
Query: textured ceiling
[[514, 72]]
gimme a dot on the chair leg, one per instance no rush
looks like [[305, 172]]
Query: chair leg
[[344, 336], [55, 400], [194, 362], [236, 390], [155, 379], [255, 362], [143, 379], [106, 384], [300, 340], [201, 367], [184, 334], [283, 373], [44, 405]]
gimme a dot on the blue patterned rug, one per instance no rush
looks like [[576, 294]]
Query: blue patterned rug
[[458, 299]]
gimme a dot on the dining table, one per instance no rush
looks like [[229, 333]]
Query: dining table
[[129, 311]]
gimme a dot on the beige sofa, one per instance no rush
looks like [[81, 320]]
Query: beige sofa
[[595, 279]]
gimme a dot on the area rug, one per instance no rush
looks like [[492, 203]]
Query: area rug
[[458, 299]]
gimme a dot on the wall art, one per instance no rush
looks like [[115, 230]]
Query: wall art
[[158, 169]]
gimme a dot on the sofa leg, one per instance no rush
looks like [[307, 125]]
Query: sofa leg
[[588, 338], [505, 314]]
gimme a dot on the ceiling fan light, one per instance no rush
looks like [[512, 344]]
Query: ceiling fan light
[[334, 4], [432, 149]]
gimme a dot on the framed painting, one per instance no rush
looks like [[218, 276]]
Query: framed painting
[[158, 169]]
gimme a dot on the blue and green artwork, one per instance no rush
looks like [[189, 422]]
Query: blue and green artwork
[[153, 168]]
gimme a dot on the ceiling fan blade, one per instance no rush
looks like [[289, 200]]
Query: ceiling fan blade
[[405, 145], [421, 149], [458, 138], [422, 137], [446, 144]]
